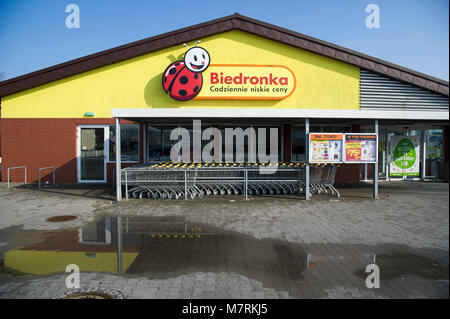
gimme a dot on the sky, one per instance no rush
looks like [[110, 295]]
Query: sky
[[33, 33]]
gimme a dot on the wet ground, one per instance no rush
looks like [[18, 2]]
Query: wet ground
[[225, 247]]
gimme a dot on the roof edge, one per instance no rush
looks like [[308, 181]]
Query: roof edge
[[212, 27]]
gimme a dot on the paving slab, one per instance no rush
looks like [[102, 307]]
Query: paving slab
[[257, 248]]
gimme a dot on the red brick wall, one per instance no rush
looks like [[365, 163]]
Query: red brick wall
[[37, 143]]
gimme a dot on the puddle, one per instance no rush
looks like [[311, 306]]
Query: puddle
[[167, 247], [14, 236], [403, 264]]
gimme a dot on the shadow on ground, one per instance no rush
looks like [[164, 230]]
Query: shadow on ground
[[97, 191]]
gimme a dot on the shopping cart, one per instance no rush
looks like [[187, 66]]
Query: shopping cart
[[194, 180], [322, 179]]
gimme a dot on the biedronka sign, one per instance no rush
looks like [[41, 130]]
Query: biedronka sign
[[196, 78]]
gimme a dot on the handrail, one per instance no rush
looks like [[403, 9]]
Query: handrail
[[43, 168], [16, 168]]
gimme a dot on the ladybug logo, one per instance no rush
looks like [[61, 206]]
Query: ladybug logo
[[183, 79]]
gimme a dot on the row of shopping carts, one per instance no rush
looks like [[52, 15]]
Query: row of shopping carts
[[189, 181]]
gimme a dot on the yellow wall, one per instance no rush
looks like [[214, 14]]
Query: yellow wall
[[136, 83]]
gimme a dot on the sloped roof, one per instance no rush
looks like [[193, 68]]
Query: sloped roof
[[202, 30]]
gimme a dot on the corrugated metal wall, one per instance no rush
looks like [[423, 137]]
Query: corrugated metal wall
[[383, 93]]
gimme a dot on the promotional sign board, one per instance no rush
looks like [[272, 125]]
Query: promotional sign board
[[405, 156], [325, 147], [360, 148]]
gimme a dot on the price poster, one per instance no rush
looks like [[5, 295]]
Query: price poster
[[360, 148], [325, 147]]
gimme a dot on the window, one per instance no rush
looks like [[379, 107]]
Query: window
[[154, 143], [246, 141], [129, 146], [434, 153], [298, 144], [298, 137], [336, 129], [159, 143]]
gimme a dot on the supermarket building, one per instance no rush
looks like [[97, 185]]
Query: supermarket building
[[256, 75]]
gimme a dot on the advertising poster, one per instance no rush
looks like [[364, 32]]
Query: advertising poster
[[360, 148], [405, 156], [325, 147]]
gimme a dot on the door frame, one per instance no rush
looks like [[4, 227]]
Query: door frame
[[105, 149]]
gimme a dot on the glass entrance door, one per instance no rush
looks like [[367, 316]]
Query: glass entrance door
[[91, 156], [434, 154]]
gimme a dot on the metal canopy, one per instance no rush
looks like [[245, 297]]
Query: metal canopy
[[272, 113]]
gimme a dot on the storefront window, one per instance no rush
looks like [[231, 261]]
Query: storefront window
[[336, 129], [298, 138], [166, 144], [298, 144], [315, 129], [246, 145], [159, 143], [154, 143], [129, 146], [434, 150]]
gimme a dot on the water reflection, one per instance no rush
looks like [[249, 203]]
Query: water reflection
[[110, 245], [93, 248], [162, 247]]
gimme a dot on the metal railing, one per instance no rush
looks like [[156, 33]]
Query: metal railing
[[10, 168], [45, 168]]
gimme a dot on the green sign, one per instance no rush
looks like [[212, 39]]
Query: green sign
[[404, 156]]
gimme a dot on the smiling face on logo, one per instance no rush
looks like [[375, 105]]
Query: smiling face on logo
[[196, 59]]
